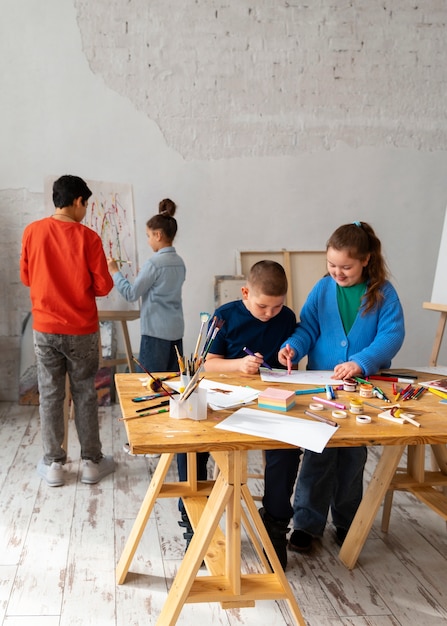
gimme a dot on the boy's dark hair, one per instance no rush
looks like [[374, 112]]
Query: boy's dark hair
[[165, 220], [269, 278], [67, 188]]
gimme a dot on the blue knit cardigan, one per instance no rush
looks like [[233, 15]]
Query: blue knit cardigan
[[374, 339]]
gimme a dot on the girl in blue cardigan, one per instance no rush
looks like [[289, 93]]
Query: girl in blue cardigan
[[353, 323]]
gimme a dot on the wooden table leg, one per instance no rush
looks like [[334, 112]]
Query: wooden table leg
[[370, 504], [232, 589], [272, 556], [143, 516], [180, 589]]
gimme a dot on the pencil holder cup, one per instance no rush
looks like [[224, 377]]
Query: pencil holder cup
[[194, 407]]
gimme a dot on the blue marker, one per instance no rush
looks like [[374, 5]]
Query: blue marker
[[301, 392]]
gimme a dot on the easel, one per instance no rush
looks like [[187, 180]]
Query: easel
[[441, 308], [104, 316], [416, 459], [123, 317]]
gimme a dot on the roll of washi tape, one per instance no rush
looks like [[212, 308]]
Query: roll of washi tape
[[349, 384], [316, 406], [339, 414], [363, 419], [366, 391]]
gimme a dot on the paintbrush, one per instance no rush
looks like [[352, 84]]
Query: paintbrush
[[157, 380], [204, 317]]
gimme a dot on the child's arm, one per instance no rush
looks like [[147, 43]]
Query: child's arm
[[246, 365], [285, 354], [350, 369]]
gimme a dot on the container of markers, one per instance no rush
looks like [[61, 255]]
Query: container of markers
[[193, 407]]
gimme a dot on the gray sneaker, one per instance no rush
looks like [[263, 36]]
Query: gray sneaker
[[92, 472], [126, 448], [52, 474]]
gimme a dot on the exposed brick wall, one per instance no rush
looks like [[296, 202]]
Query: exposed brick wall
[[241, 78], [17, 209]]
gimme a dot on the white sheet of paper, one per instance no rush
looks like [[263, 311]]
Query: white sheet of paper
[[223, 396], [299, 377], [235, 395], [299, 432]]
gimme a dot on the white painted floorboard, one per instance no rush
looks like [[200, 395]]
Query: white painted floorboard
[[59, 548]]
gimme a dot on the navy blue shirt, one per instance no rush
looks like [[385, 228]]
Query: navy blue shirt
[[242, 329]]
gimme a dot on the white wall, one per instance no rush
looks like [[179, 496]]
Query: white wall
[[269, 150]]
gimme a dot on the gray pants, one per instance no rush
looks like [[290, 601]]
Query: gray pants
[[77, 356]]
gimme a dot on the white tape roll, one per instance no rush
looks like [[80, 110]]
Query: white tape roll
[[316, 407], [339, 414], [363, 419]]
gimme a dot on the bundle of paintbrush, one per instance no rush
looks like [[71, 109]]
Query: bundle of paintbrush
[[189, 367], [192, 367], [191, 386]]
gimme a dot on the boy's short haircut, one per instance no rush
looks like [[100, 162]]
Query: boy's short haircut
[[269, 278], [67, 189]]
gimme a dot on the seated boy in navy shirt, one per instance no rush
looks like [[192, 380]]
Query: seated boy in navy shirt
[[260, 322]]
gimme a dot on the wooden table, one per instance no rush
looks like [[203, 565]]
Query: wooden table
[[206, 501]]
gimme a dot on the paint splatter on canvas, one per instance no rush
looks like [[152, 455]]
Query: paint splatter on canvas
[[111, 214]]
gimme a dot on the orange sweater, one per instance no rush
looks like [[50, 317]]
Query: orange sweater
[[65, 267]]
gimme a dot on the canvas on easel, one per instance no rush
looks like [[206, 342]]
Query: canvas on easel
[[439, 295]]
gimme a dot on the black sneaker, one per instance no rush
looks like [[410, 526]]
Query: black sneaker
[[277, 531], [340, 535], [300, 541], [186, 524]]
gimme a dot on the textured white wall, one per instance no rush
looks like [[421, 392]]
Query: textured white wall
[[268, 123]]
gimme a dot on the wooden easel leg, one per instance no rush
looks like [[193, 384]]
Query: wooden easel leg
[[438, 338]]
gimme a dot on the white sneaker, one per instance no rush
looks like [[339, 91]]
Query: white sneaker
[[52, 474], [92, 472], [126, 448]]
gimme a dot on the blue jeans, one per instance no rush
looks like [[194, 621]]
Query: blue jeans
[[332, 479], [77, 356], [158, 355]]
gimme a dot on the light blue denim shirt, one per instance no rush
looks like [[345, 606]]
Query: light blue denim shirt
[[159, 285]]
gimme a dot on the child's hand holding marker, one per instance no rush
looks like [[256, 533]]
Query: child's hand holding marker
[[253, 362], [285, 357], [289, 360]]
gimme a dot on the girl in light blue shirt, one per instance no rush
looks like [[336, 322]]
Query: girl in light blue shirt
[[159, 285]]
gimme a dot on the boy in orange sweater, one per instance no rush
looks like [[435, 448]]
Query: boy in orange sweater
[[64, 265]]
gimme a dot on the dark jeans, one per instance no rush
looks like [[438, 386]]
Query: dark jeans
[[158, 355], [182, 467], [281, 468], [332, 479]]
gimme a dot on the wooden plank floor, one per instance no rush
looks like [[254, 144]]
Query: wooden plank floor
[[59, 548]]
